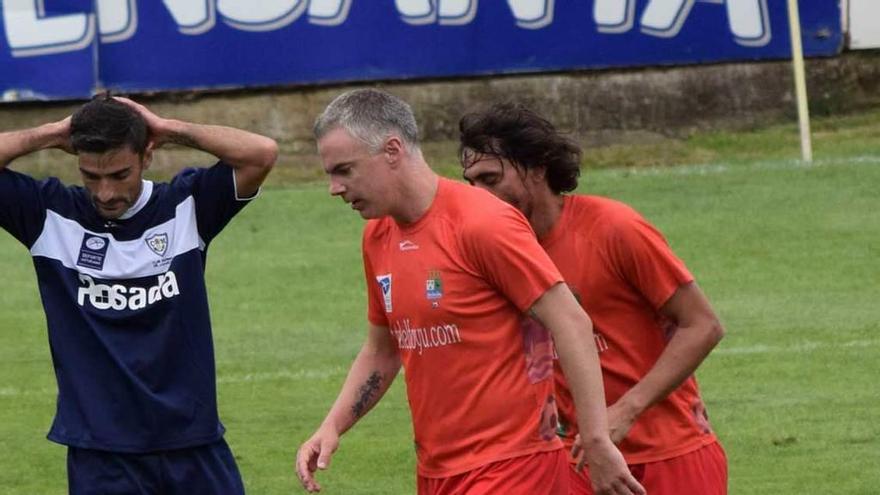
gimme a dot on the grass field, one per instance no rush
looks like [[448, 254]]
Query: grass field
[[788, 254]]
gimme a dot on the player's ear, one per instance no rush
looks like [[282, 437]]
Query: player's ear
[[538, 174], [393, 149], [147, 157]]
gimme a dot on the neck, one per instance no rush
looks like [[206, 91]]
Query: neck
[[545, 212], [417, 191]]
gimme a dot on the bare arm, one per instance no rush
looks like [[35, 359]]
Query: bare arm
[[251, 155], [372, 372], [572, 331], [698, 332], [15, 144]]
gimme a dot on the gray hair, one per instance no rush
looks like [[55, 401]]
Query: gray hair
[[371, 116]]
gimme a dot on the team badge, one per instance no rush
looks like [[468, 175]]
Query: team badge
[[158, 243], [434, 286], [92, 251], [385, 285]]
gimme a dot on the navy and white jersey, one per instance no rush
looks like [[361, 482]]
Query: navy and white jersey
[[126, 306]]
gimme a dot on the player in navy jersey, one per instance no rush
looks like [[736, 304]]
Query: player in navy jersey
[[120, 266]]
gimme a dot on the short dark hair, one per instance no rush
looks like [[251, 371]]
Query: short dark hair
[[513, 132], [105, 124]]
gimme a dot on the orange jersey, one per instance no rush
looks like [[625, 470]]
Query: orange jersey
[[452, 289], [622, 271]]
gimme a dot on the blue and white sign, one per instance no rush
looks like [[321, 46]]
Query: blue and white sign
[[69, 48]]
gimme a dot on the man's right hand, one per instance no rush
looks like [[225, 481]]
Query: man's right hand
[[315, 454], [61, 133], [608, 470]]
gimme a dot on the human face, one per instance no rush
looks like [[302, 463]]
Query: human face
[[500, 177], [113, 179], [357, 175]]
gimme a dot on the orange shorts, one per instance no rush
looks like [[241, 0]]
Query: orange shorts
[[701, 472], [544, 473]]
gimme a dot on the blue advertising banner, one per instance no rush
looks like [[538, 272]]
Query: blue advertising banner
[[70, 48]]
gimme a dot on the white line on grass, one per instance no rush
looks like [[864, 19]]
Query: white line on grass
[[799, 348], [723, 167]]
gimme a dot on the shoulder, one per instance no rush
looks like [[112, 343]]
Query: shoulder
[[606, 214], [473, 210], [377, 229]]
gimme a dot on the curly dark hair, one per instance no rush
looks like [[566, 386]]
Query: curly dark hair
[[105, 124], [514, 132]]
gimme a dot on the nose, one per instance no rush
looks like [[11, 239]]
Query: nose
[[105, 192], [336, 188]]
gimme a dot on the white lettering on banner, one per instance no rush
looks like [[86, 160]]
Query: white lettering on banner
[[748, 20], [529, 14], [30, 32], [120, 297], [117, 20], [193, 17], [420, 338]]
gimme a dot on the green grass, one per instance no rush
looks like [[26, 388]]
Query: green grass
[[787, 253]]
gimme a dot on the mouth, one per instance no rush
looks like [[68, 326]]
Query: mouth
[[356, 204]]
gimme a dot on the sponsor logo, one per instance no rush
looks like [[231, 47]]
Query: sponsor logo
[[434, 286], [158, 243], [419, 339], [119, 297], [408, 246], [385, 284], [92, 252]]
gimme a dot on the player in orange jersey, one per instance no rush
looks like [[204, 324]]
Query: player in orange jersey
[[653, 325], [451, 272]]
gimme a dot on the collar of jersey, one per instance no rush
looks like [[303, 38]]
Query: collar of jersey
[[146, 192]]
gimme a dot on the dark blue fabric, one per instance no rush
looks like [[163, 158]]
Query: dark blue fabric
[[129, 380], [205, 470]]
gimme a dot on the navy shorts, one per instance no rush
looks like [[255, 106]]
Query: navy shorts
[[207, 469]]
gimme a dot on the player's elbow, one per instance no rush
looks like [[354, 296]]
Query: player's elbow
[[267, 154], [715, 331]]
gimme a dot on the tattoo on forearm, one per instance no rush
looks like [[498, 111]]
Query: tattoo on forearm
[[183, 140], [367, 394]]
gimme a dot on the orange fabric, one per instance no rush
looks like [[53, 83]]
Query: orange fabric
[[545, 473], [701, 472], [452, 288], [622, 270]]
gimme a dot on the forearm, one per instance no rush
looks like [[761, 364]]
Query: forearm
[[573, 336], [16, 144], [580, 364], [236, 147], [684, 353], [369, 378]]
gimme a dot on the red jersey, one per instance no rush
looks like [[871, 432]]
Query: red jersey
[[622, 271], [452, 289]]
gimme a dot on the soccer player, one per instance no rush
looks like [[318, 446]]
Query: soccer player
[[450, 273], [121, 270], [653, 325]]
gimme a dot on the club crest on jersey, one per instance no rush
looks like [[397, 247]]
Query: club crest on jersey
[[158, 243], [92, 251], [385, 284], [434, 286]]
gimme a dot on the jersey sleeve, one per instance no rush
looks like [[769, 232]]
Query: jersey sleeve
[[645, 260], [505, 250], [376, 285], [23, 203], [216, 198]]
